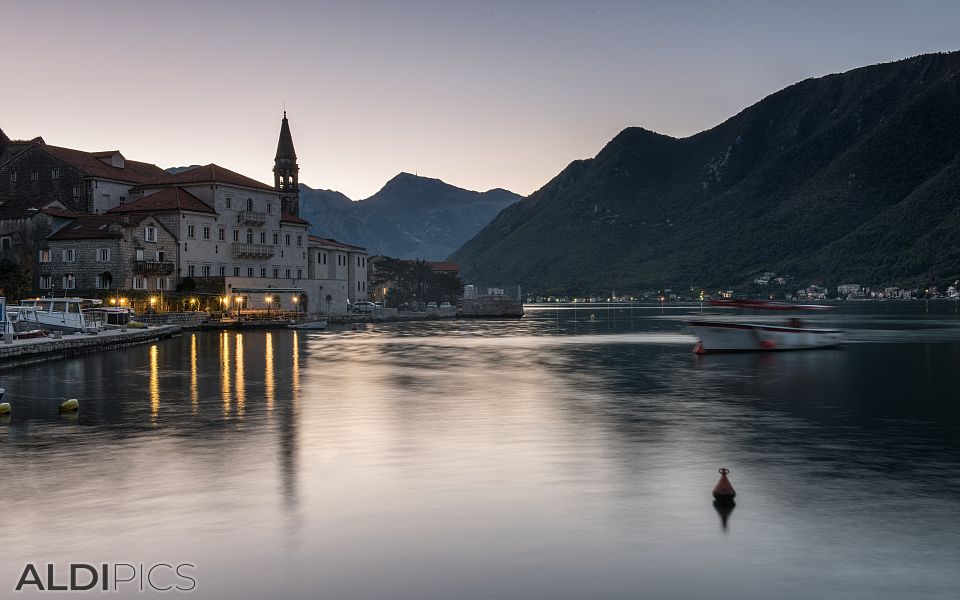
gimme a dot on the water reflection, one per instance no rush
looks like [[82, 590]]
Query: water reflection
[[543, 465], [240, 379], [194, 390], [268, 374], [154, 384]]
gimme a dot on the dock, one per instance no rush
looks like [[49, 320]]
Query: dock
[[28, 351]]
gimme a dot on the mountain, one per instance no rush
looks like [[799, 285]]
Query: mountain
[[410, 217], [849, 177]]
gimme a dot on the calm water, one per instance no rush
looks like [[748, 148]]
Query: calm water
[[567, 455]]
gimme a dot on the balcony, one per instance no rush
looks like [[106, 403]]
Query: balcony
[[252, 217], [154, 267], [259, 250]]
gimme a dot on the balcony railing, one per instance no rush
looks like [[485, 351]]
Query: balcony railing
[[252, 217], [160, 267], [252, 250]]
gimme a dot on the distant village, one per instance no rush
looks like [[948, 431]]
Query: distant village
[[768, 286]]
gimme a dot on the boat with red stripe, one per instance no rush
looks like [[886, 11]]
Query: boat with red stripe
[[722, 335]]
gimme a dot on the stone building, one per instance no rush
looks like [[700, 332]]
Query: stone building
[[86, 182], [90, 255]]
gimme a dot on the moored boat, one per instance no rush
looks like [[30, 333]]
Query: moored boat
[[716, 335], [63, 314]]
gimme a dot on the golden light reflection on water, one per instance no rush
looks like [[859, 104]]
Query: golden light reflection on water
[[154, 384], [194, 391], [241, 383], [225, 371], [269, 383], [295, 375]]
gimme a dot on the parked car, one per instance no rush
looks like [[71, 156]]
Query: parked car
[[431, 305], [364, 307], [446, 305]]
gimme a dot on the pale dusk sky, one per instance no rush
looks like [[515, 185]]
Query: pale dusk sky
[[479, 94]]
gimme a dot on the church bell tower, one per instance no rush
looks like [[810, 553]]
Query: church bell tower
[[286, 171]]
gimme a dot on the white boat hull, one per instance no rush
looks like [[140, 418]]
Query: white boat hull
[[756, 337]]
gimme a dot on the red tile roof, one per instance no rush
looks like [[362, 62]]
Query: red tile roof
[[132, 171], [209, 174], [94, 227], [331, 242], [444, 266], [288, 218], [66, 214], [13, 206], [167, 199]]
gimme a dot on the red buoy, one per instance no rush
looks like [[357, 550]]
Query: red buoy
[[723, 492]]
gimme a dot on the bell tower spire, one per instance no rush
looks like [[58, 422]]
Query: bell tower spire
[[286, 170]]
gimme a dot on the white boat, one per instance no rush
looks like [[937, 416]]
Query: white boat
[[717, 335], [310, 325], [62, 314]]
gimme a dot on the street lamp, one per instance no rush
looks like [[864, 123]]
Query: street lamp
[[269, 301]]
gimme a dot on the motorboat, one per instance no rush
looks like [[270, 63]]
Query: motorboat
[[722, 335], [58, 314], [309, 325]]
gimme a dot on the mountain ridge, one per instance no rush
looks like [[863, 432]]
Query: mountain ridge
[[778, 186]]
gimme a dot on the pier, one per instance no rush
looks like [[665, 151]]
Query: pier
[[27, 351]]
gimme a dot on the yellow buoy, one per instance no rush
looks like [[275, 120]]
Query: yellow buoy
[[4, 408], [70, 405]]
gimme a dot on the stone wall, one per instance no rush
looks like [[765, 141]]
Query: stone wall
[[30, 351]]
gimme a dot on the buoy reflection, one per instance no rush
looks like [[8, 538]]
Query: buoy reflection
[[724, 509]]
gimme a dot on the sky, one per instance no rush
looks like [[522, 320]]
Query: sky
[[479, 94]]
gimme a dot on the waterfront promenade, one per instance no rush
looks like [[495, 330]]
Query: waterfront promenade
[[21, 352]]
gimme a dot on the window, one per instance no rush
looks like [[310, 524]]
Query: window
[[103, 255], [249, 271], [276, 239], [191, 270], [223, 270], [206, 270], [276, 273], [263, 237], [123, 199], [249, 236], [190, 231], [236, 235], [287, 239], [34, 175], [222, 234], [54, 174], [69, 255], [269, 208], [299, 241], [139, 253], [138, 283], [69, 281], [160, 255], [103, 281], [229, 202], [206, 232], [299, 273], [324, 258], [236, 271], [150, 234], [46, 282], [263, 272], [45, 255], [161, 283], [286, 273], [249, 203], [185, 248], [77, 190], [4, 243], [13, 177]]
